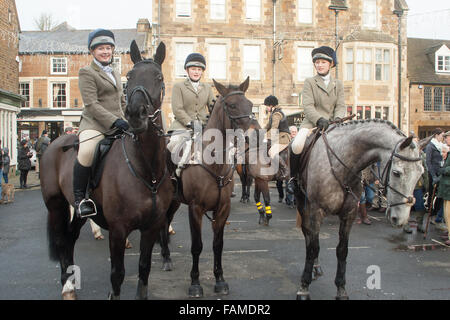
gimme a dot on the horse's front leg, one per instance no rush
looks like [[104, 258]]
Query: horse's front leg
[[117, 240], [310, 228], [195, 223], [218, 225], [148, 238], [259, 205], [341, 254], [164, 237], [264, 188]]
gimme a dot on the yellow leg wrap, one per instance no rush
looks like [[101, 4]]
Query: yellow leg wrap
[[259, 205], [268, 210]]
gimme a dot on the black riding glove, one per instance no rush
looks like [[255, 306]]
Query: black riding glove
[[121, 124], [323, 124], [190, 125]]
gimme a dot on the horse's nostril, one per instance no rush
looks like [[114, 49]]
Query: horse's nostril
[[394, 220]]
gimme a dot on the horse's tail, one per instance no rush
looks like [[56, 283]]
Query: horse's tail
[[58, 231]]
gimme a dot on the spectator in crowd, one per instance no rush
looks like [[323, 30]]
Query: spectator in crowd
[[24, 166], [434, 160], [444, 190], [290, 200], [6, 165], [41, 145], [1, 165], [68, 130], [368, 179]]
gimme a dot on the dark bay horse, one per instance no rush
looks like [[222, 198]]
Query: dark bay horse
[[207, 187], [135, 190], [331, 185]]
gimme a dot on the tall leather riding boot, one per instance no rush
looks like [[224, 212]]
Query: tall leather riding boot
[[81, 176], [294, 163]]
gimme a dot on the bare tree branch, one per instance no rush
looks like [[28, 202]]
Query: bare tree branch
[[45, 22]]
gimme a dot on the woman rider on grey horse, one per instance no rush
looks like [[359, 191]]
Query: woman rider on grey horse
[[104, 105], [323, 101]]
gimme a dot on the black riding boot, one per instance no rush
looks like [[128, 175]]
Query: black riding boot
[[81, 174], [294, 164]]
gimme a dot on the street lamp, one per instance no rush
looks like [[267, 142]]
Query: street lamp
[[337, 6]]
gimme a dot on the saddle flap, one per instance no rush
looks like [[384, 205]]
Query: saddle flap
[[98, 163]]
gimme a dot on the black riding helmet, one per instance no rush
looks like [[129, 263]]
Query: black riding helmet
[[195, 60], [325, 53], [100, 36]]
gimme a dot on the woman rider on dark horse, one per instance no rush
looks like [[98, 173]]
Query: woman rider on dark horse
[[104, 105], [323, 101]]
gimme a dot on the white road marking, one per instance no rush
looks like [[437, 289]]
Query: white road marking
[[351, 248]]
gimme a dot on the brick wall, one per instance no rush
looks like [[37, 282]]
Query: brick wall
[[9, 44]]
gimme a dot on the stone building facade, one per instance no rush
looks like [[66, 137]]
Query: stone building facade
[[50, 62], [429, 89], [271, 41], [10, 99]]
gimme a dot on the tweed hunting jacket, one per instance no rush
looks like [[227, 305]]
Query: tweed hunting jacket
[[103, 100], [189, 105], [320, 101], [283, 137]]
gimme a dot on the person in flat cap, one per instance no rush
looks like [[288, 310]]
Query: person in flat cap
[[322, 100], [190, 101], [103, 113]]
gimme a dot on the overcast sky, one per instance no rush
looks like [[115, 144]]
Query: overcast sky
[[426, 19]]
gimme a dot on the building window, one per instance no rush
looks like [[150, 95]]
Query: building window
[[363, 64], [117, 65], [349, 110], [9, 16], [382, 64], [305, 11], [182, 51], [305, 68], [217, 9], [427, 99], [349, 64], [437, 99], [24, 89], [59, 96], [367, 112], [183, 8], [58, 66], [447, 99], [377, 112], [369, 17], [252, 62], [385, 113], [443, 64], [217, 61], [253, 10], [359, 112]]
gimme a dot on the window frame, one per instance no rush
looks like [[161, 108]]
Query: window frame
[[307, 64], [301, 8], [217, 5], [371, 15], [244, 73], [178, 14], [66, 91], [211, 62], [250, 18], [52, 66], [182, 74], [28, 101]]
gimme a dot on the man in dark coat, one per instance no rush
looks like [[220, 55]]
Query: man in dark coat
[[24, 164]]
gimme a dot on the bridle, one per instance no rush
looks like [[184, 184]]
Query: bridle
[[384, 179], [226, 107]]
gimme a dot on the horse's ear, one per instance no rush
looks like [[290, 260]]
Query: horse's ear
[[220, 88], [424, 142], [406, 143], [135, 53], [244, 85], [160, 54]]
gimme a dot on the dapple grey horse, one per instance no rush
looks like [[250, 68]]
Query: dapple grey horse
[[331, 185]]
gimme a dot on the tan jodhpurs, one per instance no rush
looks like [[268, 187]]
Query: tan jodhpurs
[[88, 141]]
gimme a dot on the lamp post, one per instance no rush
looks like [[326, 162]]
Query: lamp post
[[337, 9]]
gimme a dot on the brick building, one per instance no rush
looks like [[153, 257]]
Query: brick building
[[429, 89], [10, 99], [271, 41], [49, 66]]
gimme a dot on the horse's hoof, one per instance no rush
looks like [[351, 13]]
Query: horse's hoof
[[344, 297], [262, 218], [141, 293], [70, 295], [303, 296], [167, 266], [195, 291], [221, 288], [111, 296]]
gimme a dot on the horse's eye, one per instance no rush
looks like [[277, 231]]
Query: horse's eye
[[396, 173], [232, 105]]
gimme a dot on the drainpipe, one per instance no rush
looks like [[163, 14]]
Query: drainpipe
[[399, 14], [159, 20], [273, 47]]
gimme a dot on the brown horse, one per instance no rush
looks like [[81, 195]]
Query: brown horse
[[134, 192], [207, 187]]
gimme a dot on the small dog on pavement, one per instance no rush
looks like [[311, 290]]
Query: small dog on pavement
[[7, 193]]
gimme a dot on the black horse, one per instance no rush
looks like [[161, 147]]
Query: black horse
[[134, 192]]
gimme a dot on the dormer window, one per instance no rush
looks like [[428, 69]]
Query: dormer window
[[443, 59]]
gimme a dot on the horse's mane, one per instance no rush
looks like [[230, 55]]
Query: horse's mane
[[362, 121]]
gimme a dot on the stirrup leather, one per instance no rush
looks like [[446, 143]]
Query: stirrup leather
[[90, 203]]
